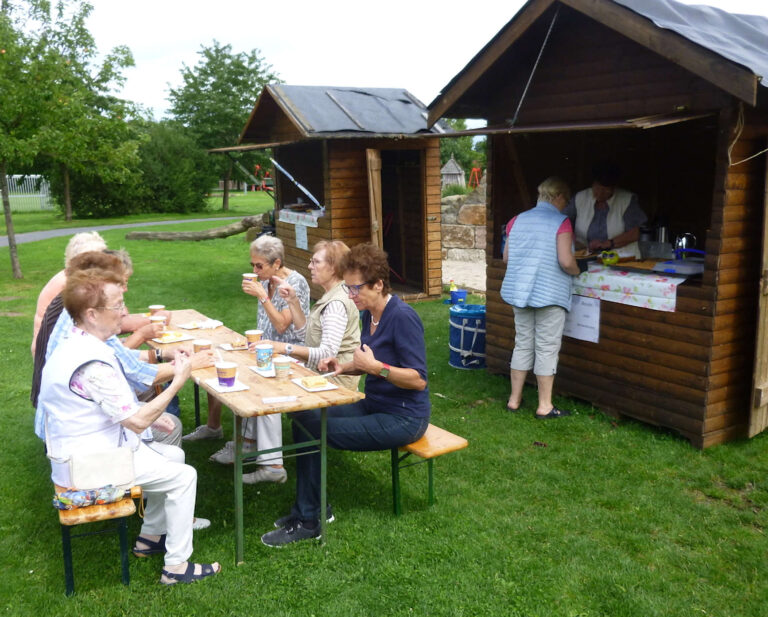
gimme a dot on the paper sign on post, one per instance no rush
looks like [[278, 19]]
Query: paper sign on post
[[583, 321]]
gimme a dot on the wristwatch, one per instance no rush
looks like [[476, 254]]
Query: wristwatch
[[385, 369], [288, 349]]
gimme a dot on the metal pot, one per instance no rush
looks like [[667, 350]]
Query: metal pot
[[684, 242]]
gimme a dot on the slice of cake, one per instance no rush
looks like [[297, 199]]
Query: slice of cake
[[314, 381]]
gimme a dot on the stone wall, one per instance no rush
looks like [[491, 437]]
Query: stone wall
[[463, 225]]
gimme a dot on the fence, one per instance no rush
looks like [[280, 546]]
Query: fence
[[29, 193]]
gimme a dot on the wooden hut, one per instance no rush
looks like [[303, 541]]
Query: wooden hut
[[451, 173], [674, 95], [369, 159]]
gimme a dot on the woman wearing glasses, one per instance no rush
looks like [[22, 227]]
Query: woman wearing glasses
[[276, 319], [333, 327], [395, 410], [90, 407]]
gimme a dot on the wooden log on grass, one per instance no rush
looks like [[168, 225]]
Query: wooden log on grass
[[195, 236]]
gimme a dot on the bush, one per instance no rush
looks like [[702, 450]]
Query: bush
[[173, 175], [456, 189]]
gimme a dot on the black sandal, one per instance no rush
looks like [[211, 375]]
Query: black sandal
[[189, 576], [153, 548], [554, 413]]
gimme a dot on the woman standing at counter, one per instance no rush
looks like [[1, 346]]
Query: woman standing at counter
[[538, 281]]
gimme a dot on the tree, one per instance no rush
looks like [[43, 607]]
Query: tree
[[216, 98], [50, 96], [463, 149]]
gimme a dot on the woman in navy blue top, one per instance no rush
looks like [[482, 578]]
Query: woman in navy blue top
[[395, 410]]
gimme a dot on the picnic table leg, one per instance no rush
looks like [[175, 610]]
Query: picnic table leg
[[323, 469], [239, 530], [197, 405]]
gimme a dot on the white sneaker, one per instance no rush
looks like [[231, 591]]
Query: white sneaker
[[204, 432], [226, 456], [200, 523], [266, 473]]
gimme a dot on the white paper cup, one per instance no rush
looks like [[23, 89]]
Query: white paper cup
[[226, 373], [154, 308], [282, 367], [264, 355], [250, 276], [201, 344], [254, 336]]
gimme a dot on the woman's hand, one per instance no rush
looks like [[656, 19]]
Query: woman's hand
[[285, 290], [365, 361], [150, 331], [326, 365], [182, 366], [164, 424], [202, 359], [253, 287]]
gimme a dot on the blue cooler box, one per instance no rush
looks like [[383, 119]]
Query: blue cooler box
[[467, 336]]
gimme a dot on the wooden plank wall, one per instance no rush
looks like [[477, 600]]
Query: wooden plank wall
[[736, 238], [345, 182]]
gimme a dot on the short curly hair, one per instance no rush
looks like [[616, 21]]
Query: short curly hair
[[334, 254], [85, 289], [371, 262]]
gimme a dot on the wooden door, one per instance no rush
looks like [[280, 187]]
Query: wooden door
[[373, 158], [758, 417]]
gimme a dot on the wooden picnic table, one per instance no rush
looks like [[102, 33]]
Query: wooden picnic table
[[251, 402]]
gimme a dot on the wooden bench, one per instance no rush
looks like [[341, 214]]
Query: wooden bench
[[119, 510], [435, 442]]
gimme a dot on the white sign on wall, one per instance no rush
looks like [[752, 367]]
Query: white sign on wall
[[301, 236], [583, 321]]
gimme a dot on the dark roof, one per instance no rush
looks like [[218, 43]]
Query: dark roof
[[740, 38], [730, 51], [325, 109]]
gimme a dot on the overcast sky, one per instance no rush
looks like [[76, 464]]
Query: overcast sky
[[418, 45]]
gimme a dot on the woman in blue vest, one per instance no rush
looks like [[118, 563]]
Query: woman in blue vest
[[540, 270]]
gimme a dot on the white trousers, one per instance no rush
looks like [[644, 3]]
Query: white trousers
[[267, 431], [170, 487], [538, 335]]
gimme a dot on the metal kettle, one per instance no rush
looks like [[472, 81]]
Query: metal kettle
[[684, 242]]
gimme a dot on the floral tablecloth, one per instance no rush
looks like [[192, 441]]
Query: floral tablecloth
[[300, 218], [653, 290]]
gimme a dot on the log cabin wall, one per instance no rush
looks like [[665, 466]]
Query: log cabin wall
[[735, 236], [689, 370], [343, 166]]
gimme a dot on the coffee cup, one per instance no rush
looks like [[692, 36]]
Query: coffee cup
[[254, 336], [226, 373], [264, 356], [158, 319], [201, 344], [250, 276], [155, 308], [282, 367]]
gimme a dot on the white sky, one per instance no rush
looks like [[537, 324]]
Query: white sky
[[418, 45]]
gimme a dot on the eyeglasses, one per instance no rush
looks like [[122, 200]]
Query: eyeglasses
[[258, 265], [353, 290], [117, 307], [316, 262]]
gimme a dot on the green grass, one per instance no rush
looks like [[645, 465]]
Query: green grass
[[240, 204], [583, 516]]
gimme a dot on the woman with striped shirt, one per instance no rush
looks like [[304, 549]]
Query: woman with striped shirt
[[333, 327]]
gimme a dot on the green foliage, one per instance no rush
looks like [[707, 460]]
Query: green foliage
[[176, 172], [456, 189], [217, 96], [463, 149]]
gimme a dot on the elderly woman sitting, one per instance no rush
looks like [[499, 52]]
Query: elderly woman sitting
[[90, 407], [396, 408]]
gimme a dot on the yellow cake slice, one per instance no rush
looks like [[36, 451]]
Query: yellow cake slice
[[314, 381]]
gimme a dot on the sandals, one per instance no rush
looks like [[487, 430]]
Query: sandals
[[554, 413], [189, 576], [153, 548]]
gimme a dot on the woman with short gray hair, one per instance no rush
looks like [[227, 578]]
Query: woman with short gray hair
[[538, 281]]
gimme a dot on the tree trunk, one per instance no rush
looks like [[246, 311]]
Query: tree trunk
[[225, 200], [208, 234], [67, 197], [15, 266]]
